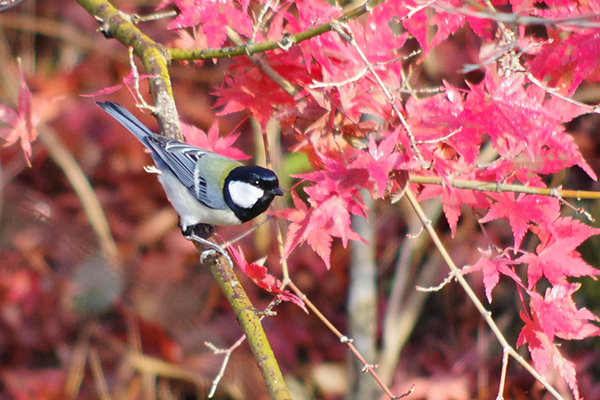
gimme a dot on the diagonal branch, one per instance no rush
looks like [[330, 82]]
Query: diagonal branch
[[249, 319]]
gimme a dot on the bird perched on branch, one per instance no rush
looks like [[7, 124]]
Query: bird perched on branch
[[203, 187]]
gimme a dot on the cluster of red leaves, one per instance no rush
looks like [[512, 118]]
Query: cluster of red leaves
[[520, 120], [259, 275]]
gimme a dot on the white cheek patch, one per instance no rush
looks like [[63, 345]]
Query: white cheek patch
[[244, 195]]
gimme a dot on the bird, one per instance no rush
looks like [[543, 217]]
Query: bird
[[203, 187]]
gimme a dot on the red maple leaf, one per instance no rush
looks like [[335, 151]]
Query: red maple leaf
[[492, 268], [248, 88], [567, 62], [128, 80], [301, 230], [558, 315], [212, 141], [333, 198], [379, 161], [520, 211], [261, 277], [543, 350], [453, 199], [213, 16], [556, 257]]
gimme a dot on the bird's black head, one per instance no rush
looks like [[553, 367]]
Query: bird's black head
[[249, 191]]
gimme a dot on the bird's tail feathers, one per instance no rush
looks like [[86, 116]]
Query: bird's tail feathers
[[126, 119]]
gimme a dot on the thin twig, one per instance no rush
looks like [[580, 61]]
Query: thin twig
[[319, 85], [360, 74], [578, 210], [98, 375], [136, 19], [260, 19], [505, 355], [437, 288], [229, 351], [518, 19], [442, 139], [554, 92], [344, 31], [264, 67], [343, 339], [136, 84]]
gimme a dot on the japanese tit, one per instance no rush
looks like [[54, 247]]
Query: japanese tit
[[203, 187]]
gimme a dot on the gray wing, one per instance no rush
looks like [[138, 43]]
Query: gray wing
[[189, 164]]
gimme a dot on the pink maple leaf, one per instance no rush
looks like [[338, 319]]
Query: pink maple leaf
[[379, 161], [453, 199], [446, 23], [263, 279], [558, 315], [520, 211], [301, 230], [326, 50], [248, 88], [333, 198], [418, 26], [213, 16], [556, 257], [491, 269], [443, 115], [128, 80], [520, 125], [543, 350], [21, 124], [482, 27], [568, 62], [212, 141], [419, 23]]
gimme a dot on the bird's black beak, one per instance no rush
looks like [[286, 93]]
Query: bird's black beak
[[277, 192]]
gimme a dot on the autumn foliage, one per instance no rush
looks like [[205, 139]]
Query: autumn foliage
[[438, 100]]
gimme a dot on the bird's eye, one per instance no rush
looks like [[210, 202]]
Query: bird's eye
[[256, 182]]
